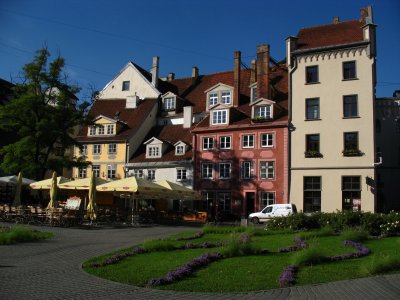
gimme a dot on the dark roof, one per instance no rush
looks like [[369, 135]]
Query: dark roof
[[330, 35], [170, 135], [131, 117]]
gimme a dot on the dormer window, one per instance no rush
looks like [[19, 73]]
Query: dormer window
[[226, 97], [263, 112], [101, 130], [110, 129], [92, 130], [180, 150], [212, 99], [254, 94], [153, 151], [219, 117], [125, 85], [169, 103]]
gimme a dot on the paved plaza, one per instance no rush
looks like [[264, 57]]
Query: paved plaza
[[51, 269]]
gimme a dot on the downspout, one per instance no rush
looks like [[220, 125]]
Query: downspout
[[194, 161], [126, 159]]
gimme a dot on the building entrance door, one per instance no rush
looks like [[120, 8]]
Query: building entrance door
[[249, 208]]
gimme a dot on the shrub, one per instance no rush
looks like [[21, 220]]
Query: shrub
[[324, 231], [309, 256], [19, 234], [239, 245], [381, 264], [356, 234]]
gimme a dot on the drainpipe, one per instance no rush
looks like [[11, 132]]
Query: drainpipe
[[126, 159]]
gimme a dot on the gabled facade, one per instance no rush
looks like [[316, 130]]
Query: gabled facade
[[240, 147], [332, 91]]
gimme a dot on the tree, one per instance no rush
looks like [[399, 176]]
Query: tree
[[44, 113]]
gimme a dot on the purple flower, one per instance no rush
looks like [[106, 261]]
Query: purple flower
[[362, 251], [196, 236], [288, 276], [300, 244]]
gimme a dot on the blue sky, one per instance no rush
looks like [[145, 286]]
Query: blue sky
[[97, 38]]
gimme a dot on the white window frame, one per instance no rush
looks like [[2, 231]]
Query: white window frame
[[267, 169], [246, 169], [84, 150], [180, 150], [82, 172], [153, 151], [101, 130], [226, 97], [110, 129], [110, 150], [267, 198], [126, 85], [96, 170], [253, 93], [248, 141], [95, 148], [219, 117], [92, 130], [208, 143], [224, 170], [268, 142], [111, 172], [264, 111], [212, 99], [138, 173], [181, 174], [224, 141], [169, 103], [209, 167], [151, 174]]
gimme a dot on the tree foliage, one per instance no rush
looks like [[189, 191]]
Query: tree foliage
[[44, 114]]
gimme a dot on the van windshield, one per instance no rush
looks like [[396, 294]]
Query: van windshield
[[268, 209]]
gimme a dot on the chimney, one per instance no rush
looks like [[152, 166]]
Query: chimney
[[253, 72], [154, 71], [187, 116], [291, 45], [195, 75], [335, 20], [236, 79], [366, 15], [263, 71], [171, 76], [132, 101]]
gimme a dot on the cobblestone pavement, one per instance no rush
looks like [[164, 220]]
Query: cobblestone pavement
[[51, 269]]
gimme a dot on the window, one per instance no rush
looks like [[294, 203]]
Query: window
[[350, 106], [112, 148], [110, 129], [169, 103], [180, 150], [101, 130], [208, 143], [96, 149], [349, 70], [207, 171], [263, 112], [267, 170], [151, 174], [248, 141], [92, 130], [224, 170], [110, 171], [312, 143], [181, 175], [138, 173], [226, 97], [254, 93], [224, 201], [312, 109], [125, 85], [82, 171], [267, 139], [267, 198], [219, 117], [351, 193], [153, 151], [96, 170], [351, 141], [312, 74], [225, 142], [208, 199], [212, 99], [312, 194], [84, 150], [246, 170]]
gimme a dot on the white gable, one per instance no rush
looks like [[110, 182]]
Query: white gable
[[153, 141], [138, 85], [262, 101], [219, 87]]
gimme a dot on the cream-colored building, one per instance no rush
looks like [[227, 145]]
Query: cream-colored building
[[332, 91]]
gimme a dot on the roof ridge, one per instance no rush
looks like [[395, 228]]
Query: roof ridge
[[211, 74], [325, 25]]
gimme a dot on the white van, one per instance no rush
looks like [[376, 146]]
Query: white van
[[270, 211]]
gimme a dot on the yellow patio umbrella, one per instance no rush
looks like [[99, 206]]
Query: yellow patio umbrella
[[181, 191], [81, 184], [90, 213], [17, 198], [53, 191], [47, 183]]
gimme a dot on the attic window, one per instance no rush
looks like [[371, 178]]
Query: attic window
[[153, 151], [219, 117], [263, 112], [254, 93], [169, 103], [180, 150], [125, 85]]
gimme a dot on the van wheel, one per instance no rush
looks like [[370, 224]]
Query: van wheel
[[255, 220]]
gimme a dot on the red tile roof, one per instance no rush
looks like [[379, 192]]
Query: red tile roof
[[170, 135], [330, 35], [132, 117]]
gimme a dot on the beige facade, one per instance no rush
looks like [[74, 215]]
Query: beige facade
[[326, 111]]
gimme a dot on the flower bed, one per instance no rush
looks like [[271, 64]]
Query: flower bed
[[299, 245]]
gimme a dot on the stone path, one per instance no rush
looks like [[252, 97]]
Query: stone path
[[51, 269]]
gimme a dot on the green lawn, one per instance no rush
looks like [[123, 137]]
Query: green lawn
[[20, 234], [258, 271]]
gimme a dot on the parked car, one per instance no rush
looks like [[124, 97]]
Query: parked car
[[271, 211]]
